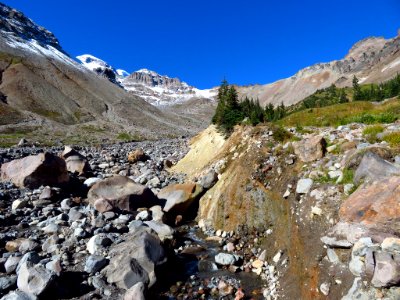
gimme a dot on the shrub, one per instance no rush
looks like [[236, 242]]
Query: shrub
[[280, 134], [392, 138], [371, 132], [124, 136]]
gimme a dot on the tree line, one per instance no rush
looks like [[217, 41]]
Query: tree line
[[376, 92], [230, 111]]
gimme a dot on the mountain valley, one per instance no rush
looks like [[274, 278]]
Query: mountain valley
[[134, 186]]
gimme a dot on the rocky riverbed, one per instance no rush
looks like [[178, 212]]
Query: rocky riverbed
[[312, 216], [77, 239]]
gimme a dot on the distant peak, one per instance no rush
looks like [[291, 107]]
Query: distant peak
[[122, 73], [147, 71]]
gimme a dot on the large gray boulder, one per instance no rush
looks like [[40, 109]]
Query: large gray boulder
[[134, 260], [373, 167], [122, 193], [35, 170], [34, 279]]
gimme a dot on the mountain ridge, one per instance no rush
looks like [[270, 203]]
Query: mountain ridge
[[367, 59], [159, 90]]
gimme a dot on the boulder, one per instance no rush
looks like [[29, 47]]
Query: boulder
[[35, 170], [76, 162], [137, 155], [34, 279], [373, 167], [163, 231], [95, 263], [136, 292], [122, 193], [98, 243], [354, 157], [134, 260], [304, 185], [180, 197], [209, 179], [225, 259], [387, 270], [374, 206], [310, 149]]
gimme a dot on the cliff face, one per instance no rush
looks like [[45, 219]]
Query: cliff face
[[371, 60]]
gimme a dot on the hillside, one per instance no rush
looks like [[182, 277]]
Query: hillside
[[372, 60], [43, 87]]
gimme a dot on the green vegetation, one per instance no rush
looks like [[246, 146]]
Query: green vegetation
[[376, 92], [348, 176], [230, 112], [128, 137], [124, 136], [53, 115], [321, 98], [392, 138], [280, 134], [371, 132], [345, 113]]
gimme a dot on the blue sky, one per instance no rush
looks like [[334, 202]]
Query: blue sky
[[201, 42]]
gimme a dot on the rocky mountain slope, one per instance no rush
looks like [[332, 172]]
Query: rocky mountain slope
[[42, 88], [372, 60]]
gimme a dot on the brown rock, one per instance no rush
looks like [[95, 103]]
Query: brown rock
[[137, 155], [76, 162], [310, 149], [13, 246], [348, 146], [122, 193], [102, 205], [375, 206], [180, 197], [35, 170]]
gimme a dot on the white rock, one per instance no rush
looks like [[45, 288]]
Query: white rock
[[225, 259], [286, 194], [304, 185], [316, 210], [277, 257], [324, 288], [91, 181], [18, 204]]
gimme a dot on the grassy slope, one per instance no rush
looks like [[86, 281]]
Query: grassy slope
[[345, 113]]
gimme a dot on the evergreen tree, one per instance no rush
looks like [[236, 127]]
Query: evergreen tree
[[356, 89], [228, 112], [269, 112], [343, 98]]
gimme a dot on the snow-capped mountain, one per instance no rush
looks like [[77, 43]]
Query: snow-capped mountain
[[101, 68], [162, 90], [159, 90]]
